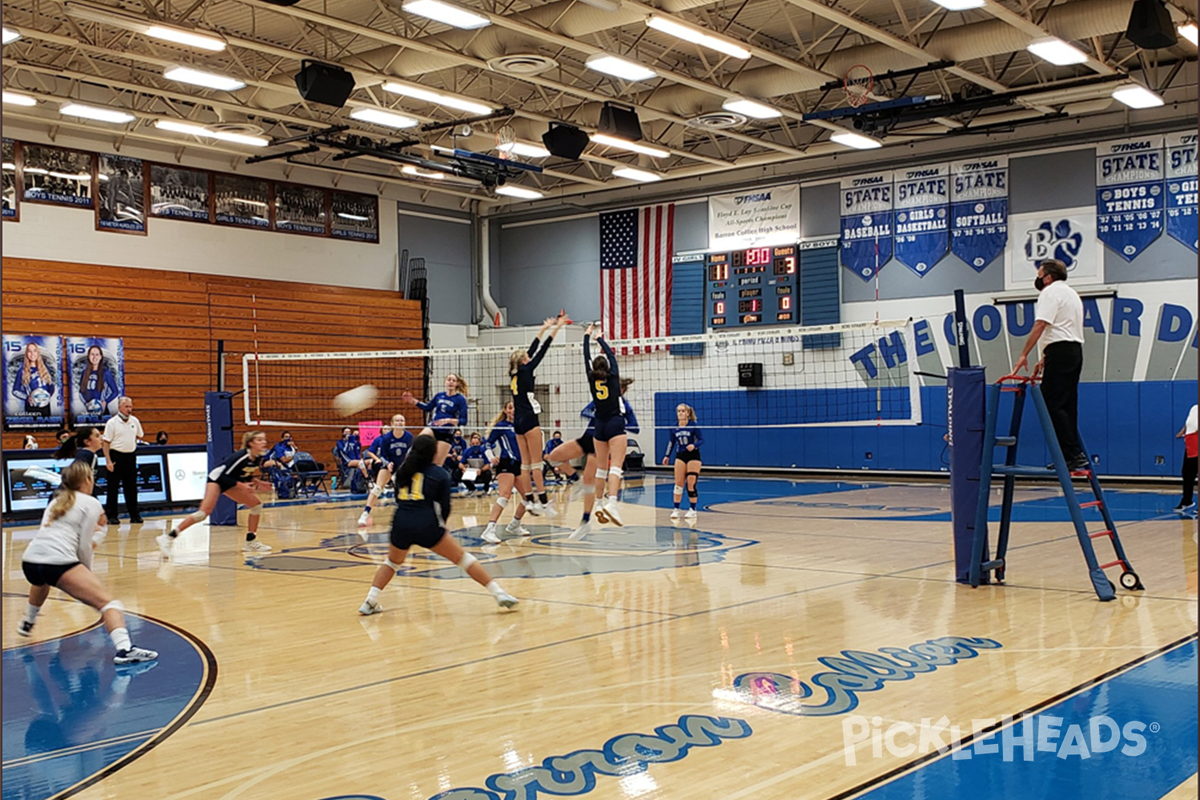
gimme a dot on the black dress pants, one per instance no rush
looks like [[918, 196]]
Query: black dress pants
[[122, 472], [1060, 388]]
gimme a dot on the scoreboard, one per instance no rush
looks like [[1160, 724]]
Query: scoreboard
[[758, 286]]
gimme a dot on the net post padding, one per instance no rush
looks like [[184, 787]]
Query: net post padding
[[816, 384]]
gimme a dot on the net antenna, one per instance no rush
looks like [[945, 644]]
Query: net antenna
[[506, 138], [859, 82]]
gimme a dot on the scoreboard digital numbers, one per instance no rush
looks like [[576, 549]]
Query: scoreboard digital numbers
[[751, 287]]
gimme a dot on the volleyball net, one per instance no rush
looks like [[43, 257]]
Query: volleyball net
[[764, 379]]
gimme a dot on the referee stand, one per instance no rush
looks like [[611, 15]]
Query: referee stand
[[980, 564]]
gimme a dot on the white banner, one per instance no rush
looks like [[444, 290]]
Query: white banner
[[1067, 234], [761, 217]]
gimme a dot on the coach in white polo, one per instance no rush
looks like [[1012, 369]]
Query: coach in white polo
[[1059, 326], [121, 434]]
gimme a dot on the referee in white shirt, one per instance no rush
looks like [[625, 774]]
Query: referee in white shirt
[[1060, 317], [120, 438]]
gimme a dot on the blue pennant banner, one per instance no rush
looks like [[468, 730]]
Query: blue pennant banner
[[1181, 188], [1129, 194], [922, 217], [979, 210], [867, 223]]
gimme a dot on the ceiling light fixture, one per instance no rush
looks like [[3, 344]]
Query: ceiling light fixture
[[1187, 30], [1057, 52], [524, 150], [417, 172], [437, 98], [14, 99], [98, 114], [696, 36], [639, 175], [1136, 96], [377, 116], [633, 147], [518, 191], [10, 36], [855, 140], [960, 5], [195, 129], [447, 14], [750, 108], [208, 80], [619, 67], [169, 33]]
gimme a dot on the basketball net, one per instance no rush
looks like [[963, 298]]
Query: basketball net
[[858, 82], [506, 137]]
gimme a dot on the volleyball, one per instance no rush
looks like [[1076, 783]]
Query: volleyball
[[355, 400]]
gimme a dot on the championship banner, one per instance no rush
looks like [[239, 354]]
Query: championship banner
[[1181, 188], [96, 371], [1129, 194], [979, 210], [33, 381], [866, 223], [763, 217], [922, 217]]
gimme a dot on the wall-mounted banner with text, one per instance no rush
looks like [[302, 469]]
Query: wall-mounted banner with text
[[922, 217], [979, 210], [759, 218], [33, 381], [1129, 194], [1181, 188], [866, 223], [96, 374]]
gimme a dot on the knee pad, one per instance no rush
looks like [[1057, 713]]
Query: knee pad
[[555, 464], [375, 490], [537, 466], [526, 467], [115, 605], [693, 494], [601, 475], [197, 516], [466, 561], [616, 472], [588, 489], [692, 479], [502, 501], [394, 567], [678, 492], [255, 511]]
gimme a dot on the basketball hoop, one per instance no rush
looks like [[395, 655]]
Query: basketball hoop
[[506, 137], [859, 82]]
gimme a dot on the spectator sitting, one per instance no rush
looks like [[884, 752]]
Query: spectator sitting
[[30, 442], [161, 438], [555, 441], [478, 453], [284, 452]]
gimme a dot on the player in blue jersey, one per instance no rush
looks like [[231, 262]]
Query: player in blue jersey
[[447, 410], [521, 365], [97, 386], [476, 457], [391, 447], [685, 441], [604, 382], [502, 440], [349, 452], [32, 381], [422, 514], [236, 477]]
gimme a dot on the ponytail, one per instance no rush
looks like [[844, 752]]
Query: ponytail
[[420, 456], [73, 479], [599, 370], [74, 444]]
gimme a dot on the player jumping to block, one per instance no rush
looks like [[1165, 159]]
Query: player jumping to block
[[604, 382], [422, 508], [685, 446], [521, 365], [236, 477]]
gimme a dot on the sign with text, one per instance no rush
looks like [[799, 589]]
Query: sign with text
[[922, 217], [1181, 188], [866, 223], [762, 217], [1129, 194], [979, 210]]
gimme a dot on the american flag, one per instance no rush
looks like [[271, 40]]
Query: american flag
[[635, 271]]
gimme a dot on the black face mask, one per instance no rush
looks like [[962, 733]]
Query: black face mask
[[1038, 283]]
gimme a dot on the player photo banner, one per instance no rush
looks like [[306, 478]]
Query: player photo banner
[[9, 195], [33, 381], [300, 209], [866, 223], [1129, 194], [58, 176], [96, 371], [1181, 188], [979, 210], [121, 188], [178, 193], [922, 217], [354, 216]]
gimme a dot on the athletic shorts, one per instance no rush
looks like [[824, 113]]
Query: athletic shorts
[[443, 434], [610, 428], [405, 536], [225, 485], [524, 423], [507, 465], [687, 457], [588, 444], [45, 574]]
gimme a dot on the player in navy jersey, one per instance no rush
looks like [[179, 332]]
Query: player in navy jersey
[[236, 477], [349, 452], [521, 365], [476, 452], [502, 440], [391, 448], [447, 410], [604, 382], [422, 513], [83, 446], [685, 442]]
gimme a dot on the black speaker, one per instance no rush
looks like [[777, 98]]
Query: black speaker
[[565, 141], [324, 83], [1150, 25], [620, 121], [750, 375]]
